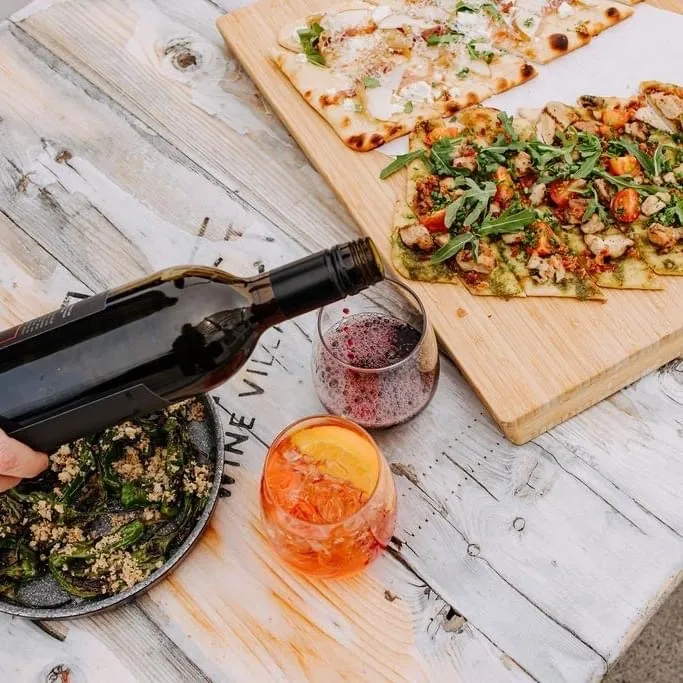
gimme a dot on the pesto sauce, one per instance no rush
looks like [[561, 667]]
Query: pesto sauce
[[503, 283], [584, 288], [619, 273]]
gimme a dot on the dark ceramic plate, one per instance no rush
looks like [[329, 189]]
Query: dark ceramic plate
[[44, 599]]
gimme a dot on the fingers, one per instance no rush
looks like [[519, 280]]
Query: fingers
[[18, 460], [7, 483]]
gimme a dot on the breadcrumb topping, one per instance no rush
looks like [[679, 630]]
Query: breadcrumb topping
[[99, 518]]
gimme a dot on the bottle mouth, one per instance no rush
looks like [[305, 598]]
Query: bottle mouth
[[361, 264]]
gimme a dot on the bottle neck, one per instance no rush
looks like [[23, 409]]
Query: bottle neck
[[316, 281]]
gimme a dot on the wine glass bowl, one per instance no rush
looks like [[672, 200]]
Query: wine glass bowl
[[376, 360], [328, 500]]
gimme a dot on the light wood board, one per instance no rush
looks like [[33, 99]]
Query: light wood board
[[533, 362]]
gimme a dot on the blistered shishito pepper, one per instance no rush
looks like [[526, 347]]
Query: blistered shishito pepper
[[128, 535], [17, 561], [109, 452], [71, 571], [133, 495], [83, 452]]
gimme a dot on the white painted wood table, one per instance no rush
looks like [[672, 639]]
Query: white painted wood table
[[128, 142]]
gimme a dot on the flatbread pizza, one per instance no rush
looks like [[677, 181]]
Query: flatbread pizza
[[568, 201], [374, 69]]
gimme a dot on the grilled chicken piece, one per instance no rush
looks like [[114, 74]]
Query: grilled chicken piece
[[546, 269], [563, 114], [470, 163], [664, 236], [637, 129], [651, 116], [593, 225], [610, 246], [588, 126], [484, 264], [417, 237], [670, 105], [605, 192], [513, 237], [537, 194], [441, 239], [545, 129], [522, 163], [655, 203]]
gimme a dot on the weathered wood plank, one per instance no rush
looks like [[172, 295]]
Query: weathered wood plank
[[87, 176], [170, 70], [120, 647]]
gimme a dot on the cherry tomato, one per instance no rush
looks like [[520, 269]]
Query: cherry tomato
[[625, 206], [543, 245], [560, 192], [615, 118], [505, 190], [439, 133], [627, 165], [576, 209], [435, 222]]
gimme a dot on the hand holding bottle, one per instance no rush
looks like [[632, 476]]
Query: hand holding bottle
[[18, 461]]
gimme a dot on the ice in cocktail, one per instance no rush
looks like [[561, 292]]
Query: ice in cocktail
[[327, 496]]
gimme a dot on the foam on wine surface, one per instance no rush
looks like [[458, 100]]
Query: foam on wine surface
[[394, 392]]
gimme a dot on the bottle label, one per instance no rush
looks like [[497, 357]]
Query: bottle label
[[68, 314]]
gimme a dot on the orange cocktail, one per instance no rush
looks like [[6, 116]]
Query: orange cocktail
[[327, 496]]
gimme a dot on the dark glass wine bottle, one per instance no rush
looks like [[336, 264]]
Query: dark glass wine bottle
[[135, 349]]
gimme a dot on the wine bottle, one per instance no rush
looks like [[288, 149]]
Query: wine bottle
[[135, 349]]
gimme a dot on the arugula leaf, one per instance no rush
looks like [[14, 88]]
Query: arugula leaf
[[510, 221], [672, 213], [678, 210], [594, 206], [309, 39], [463, 72], [441, 155], [401, 161], [620, 181], [645, 160], [506, 122], [370, 82], [590, 149], [658, 160], [493, 12], [463, 6], [544, 154], [475, 200], [456, 244], [485, 55], [436, 39]]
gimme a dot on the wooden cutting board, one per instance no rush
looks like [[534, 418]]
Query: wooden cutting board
[[533, 362]]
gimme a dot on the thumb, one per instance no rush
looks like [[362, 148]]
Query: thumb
[[18, 460]]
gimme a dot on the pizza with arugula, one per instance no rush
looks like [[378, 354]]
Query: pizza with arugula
[[565, 201]]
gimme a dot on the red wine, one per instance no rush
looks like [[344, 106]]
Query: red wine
[[392, 383], [133, 350]]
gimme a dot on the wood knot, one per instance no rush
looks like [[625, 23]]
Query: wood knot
[[519, 523], [473, 550], [182, 56], [59, 674], [64, 156]]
